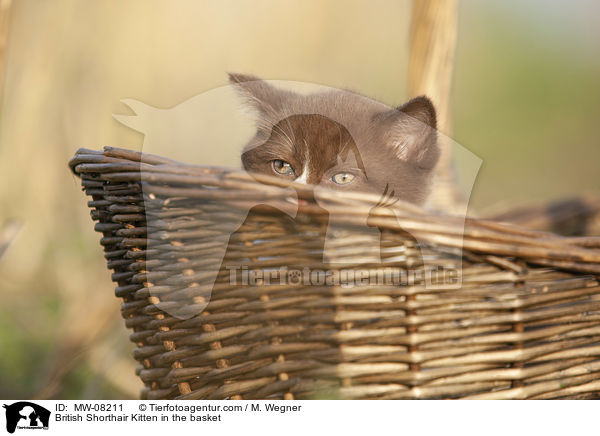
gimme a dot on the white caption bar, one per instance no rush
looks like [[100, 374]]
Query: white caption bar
[[297, 417]]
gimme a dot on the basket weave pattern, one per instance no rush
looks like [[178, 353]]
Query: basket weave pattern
[[525, 322]]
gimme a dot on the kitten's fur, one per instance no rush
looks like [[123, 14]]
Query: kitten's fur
[[323, 134]]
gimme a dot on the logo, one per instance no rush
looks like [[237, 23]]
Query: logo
[[26, 415], [387, 152]]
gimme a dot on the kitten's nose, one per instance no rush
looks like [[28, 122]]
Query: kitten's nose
[[303, 178]]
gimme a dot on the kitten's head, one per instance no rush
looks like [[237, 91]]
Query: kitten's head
[[341, 140]]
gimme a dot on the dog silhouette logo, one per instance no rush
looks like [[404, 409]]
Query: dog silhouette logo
[[26, 415], [210, 129]]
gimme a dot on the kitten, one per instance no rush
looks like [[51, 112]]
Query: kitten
[[341, 140]]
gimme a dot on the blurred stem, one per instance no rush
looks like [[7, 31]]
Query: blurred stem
[[7, 235], [4, 14], [432, 48]]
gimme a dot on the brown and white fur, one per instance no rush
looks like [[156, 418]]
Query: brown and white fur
[[341, 140]]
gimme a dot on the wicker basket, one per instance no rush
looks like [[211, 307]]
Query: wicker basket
[[524, 323]]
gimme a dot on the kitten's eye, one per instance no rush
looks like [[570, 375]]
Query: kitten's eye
[[343, 178], [282, 167]]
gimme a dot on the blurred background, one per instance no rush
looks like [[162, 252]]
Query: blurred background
[[525, 99]]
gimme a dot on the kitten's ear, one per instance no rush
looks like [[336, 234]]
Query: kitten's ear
[[267, 100], [421, 109], [412, 132]]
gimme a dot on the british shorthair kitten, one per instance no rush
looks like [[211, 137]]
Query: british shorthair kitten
[[341, 140]]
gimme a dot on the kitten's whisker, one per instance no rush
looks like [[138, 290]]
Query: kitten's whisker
[[285, 135], [287, 120]]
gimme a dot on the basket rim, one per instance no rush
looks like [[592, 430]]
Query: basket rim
[[498, 240]]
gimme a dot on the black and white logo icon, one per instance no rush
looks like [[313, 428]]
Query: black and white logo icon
[[26, 415]]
